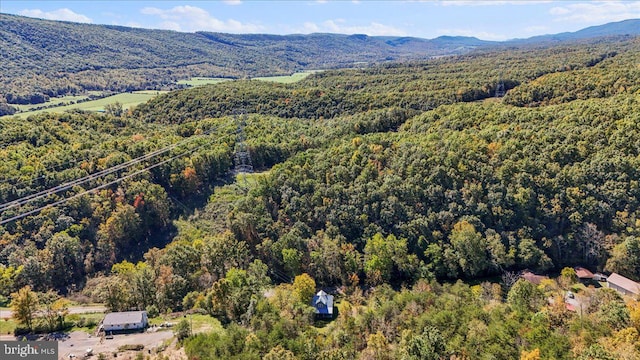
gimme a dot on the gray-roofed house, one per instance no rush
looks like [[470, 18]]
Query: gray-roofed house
[[124, 321], [623, 285], [323, 303]]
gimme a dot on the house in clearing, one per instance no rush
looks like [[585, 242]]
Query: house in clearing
[[533, 278], [623, 285], [584, 275], [124, 321], [323, 303]]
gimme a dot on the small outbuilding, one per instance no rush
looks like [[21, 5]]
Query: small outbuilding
[[125, 321], [323, 303], [623, 285], [599, 277]]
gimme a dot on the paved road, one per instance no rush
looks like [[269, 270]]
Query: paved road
[[7, 313]]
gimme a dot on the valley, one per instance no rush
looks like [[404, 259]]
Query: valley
[[445, 221]]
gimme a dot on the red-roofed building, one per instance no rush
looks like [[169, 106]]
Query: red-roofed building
[[583, 274], [533, 278]]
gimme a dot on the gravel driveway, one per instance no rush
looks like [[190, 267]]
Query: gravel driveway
[[78, 342]]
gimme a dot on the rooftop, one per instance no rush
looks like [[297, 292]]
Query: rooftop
[[583, 273], [625, 283], [533, 278], [126, 317], [323, 303]]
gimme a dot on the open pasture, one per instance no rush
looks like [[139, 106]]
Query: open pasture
[[126, 99]]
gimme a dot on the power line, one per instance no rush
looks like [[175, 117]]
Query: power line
[[34, 211], [68, 185], [242, 157]]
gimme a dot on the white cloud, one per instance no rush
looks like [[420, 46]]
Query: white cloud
[[310, 27], [60, 14], [596, 12], [193, 18], [340, 26], [233, 2], [484, 35]]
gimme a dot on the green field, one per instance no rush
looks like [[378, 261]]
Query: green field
[[7, 326], [137, 97], [126, 99], [52, 101], [200, 322], [199, 81], [287, 79]]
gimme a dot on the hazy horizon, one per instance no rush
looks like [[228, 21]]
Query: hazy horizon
[[486, 20]]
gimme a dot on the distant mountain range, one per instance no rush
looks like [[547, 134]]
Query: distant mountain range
[[626, 27], [116, 58]]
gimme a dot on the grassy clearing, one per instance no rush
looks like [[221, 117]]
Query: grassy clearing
[[199, 81], [288, 79], [7, 325], [126, 99], [200, 322], [59, 101], [252, 178], [284, 79], [204, 323], [85, 322]]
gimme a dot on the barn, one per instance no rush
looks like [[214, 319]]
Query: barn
[[124, 321], [623, 285]]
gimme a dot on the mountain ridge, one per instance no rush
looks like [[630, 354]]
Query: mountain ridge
[[618, 28], [47, 58]]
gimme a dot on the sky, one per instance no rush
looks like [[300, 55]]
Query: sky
[[487, 20]]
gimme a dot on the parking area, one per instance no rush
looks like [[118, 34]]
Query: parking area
[[77, 343]]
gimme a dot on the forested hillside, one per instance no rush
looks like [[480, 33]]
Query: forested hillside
[[43, 59], [51, 58], [382, 184]]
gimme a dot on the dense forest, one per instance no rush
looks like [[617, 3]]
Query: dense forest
[[385, 184]]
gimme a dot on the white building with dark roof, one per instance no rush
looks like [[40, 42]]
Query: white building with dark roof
[[323, 303], [124, 321]]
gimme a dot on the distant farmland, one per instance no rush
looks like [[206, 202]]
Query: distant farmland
[[126, 99], [199, 81], [285, 79], [138, 97]]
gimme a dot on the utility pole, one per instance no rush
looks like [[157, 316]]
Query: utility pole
[[500, 88]]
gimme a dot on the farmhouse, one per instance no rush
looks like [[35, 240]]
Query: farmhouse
[[584, 275], [533, 278], [123, 321], [623, 285], [323, 304]]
